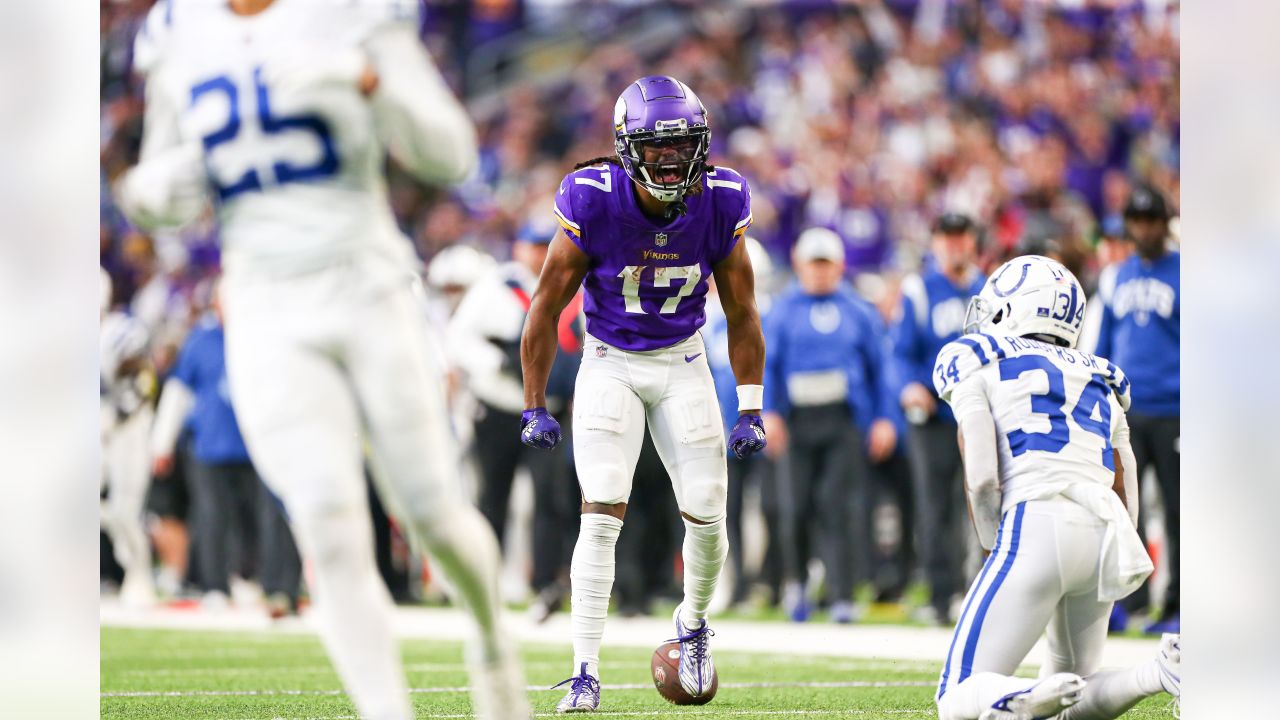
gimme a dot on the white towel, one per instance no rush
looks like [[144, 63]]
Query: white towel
[[1123, 563]]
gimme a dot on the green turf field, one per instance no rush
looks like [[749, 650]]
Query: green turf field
[[251, 676]]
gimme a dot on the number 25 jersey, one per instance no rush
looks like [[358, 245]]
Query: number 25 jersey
[[1057, 411], [292, 150], [646, 287]]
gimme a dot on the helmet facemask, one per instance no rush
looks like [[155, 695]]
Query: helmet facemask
[[666, 162], [982, 314]]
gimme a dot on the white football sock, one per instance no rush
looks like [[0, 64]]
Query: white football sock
[[591, 575], [1111, 692], [704, 553], [132, 549], [978, 692], [353, 609]]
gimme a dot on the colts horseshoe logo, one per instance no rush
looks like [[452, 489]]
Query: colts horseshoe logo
[[995, 281]]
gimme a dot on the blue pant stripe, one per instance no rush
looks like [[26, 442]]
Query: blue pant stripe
[[971, 644], [995, 550]]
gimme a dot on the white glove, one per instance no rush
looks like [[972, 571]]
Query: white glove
[[169, 189]]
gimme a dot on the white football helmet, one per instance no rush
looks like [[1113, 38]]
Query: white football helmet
[[1029, 295], [457, 266]]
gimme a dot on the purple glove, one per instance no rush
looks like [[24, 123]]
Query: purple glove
[[747, 437], [538, 429]]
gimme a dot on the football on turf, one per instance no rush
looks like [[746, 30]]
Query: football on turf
[[666, 677]]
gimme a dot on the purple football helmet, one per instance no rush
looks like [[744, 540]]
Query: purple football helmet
[[661, 114]]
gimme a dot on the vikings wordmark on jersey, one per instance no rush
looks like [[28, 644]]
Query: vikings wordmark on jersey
[[639, 297]]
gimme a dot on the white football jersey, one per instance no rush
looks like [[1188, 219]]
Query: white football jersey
[[123, 338], [296, 168], [1057, 411]]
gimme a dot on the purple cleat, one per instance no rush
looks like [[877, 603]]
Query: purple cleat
[[583, 695], [696, 667]]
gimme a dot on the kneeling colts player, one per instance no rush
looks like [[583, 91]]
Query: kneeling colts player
[[1053, 493]]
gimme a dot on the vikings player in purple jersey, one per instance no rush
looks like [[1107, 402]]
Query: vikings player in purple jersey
[[643, 233]]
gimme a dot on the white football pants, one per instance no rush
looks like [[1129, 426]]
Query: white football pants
[[1042, 576], [126, 455], [321, 365], [671, 389]]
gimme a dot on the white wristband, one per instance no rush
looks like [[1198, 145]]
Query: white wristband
[[750, 397]]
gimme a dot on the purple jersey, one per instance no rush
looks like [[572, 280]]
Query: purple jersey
[[646, 287]]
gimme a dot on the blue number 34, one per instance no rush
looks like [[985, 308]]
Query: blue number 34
[[1094, 395], [285, 172]]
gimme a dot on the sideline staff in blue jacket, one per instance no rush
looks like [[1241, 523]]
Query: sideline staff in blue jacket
[[231, 505], [828, 396], [1140, 333], [759, 468], [932, 315]]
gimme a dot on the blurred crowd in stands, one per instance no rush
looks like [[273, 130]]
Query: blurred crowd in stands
[[870, 118]]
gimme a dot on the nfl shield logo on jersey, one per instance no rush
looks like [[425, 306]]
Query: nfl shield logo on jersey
[[660, 239], [601, 350]]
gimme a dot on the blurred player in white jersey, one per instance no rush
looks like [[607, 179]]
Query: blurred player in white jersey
[[1052, 490], [284, 109], [127, 383]]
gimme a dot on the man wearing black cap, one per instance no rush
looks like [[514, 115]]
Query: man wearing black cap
[[1140, 333], [932, 315]]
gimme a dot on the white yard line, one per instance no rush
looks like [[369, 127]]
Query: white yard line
[[423, 668], [531, 688], [682, 712], [879, 642]]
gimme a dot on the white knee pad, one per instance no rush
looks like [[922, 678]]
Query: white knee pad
[[602, 474], [688, 434], [701, 481], [704, 498], [607, 433]]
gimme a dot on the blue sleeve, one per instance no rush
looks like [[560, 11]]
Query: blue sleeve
[[1105, 328], [878, 351], [187, 369], [775, 389], [877, 358], [909, 367]]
